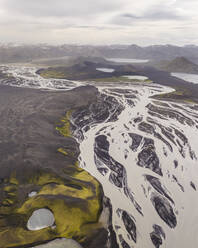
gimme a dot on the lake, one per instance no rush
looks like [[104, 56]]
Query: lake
[[125, 60], [109, 70], [192, 78]]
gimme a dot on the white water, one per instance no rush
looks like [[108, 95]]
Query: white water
[[121, 60], [186, 203], [32, 194], [109, 70], [117, 132], [60, 243], [40, 219], [26, 77], [192, 78]]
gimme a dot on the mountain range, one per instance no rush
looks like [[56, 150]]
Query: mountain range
[[27, 53], [179, 64]]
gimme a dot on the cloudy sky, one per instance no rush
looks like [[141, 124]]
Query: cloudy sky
[[142, 22]]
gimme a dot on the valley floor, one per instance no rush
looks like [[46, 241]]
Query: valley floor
[[61, 142]]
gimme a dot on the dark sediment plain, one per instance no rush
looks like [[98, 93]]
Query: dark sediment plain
[[39, 171], [142, 150]]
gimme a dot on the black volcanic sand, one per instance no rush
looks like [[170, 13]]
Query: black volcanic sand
[[36, 157], [27, 127]]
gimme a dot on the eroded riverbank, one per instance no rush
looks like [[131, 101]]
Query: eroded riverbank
[[37, 157], [142, 151]]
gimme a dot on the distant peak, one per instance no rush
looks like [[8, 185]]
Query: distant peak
[[182, 60]]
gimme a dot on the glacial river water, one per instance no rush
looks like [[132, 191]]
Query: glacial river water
[[144, 153], [192, 78]]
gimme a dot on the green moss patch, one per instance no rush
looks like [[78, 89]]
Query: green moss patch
[[182, 95], [120, 80], [72, 194], [64, 125], [50, 73]]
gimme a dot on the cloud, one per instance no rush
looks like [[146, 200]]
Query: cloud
[[59, 8], [154, 13], [98, 21]]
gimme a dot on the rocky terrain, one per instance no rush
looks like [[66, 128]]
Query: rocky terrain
[[143, 151], [179, 64], [87, 70], [44, 194]]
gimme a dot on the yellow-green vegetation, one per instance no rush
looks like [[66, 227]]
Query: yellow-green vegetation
[[179, 94], [64, 73], [73, 196], [148, 81], [52, 73], [64, 125], [120, 80], [63, 151]]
